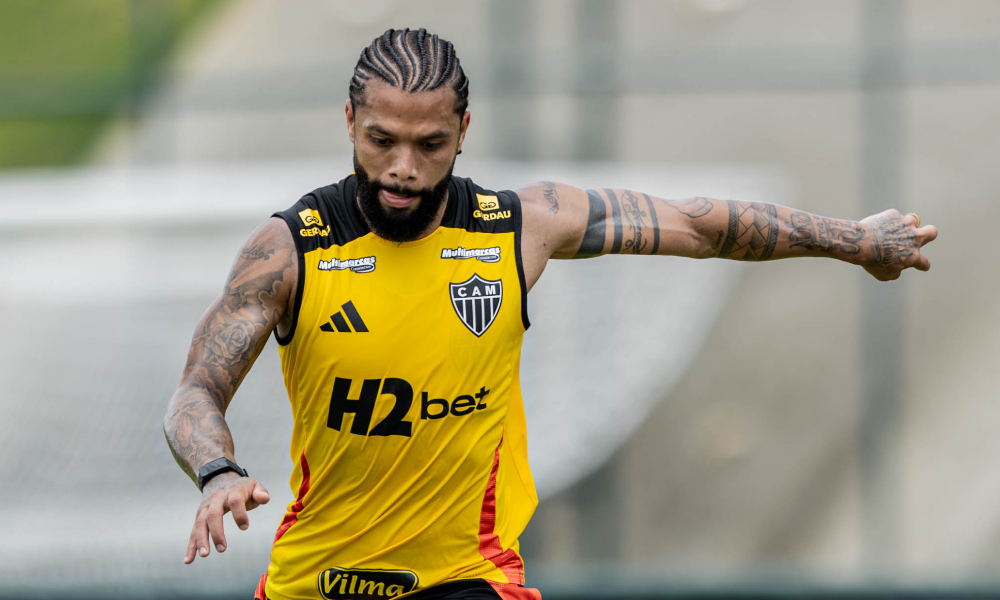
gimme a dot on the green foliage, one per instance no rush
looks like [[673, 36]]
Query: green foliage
[[67, 66], [45, 142]]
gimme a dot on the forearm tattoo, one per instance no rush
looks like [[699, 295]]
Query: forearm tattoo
[[823, 234], [656, 224], [694, 208], [225, 346], [593, 237], [197, 433], [634, 215], [893, 240], [616, 220], [752, 232]]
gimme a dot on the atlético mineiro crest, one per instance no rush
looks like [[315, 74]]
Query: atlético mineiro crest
[[477, 302]]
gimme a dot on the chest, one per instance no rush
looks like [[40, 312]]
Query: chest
[[449, 300]]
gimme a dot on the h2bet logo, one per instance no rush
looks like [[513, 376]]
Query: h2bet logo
[[395, 422]]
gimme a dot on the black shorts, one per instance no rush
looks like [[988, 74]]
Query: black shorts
[[471, 589]]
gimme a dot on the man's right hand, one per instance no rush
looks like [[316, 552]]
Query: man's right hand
[[228, 492]]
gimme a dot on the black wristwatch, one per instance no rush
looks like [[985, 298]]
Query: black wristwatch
[[217, 466]]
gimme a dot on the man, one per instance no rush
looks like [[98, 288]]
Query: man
[[398, 299]]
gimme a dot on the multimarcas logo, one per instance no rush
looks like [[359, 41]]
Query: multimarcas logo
[[371, 584], [365, 264], [486, 255]]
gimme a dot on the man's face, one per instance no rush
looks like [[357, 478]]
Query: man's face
[[404, 150]]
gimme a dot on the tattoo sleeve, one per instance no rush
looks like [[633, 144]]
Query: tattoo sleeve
[[226, 343], [752, 231], [823, 234], [704, 228], [694, 208], [596, 231]]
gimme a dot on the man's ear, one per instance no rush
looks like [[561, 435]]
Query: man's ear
[[349, 111], [463, 127]]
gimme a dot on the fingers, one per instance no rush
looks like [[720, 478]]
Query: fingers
[[192, 547], [922, 263], [926, 234], [910, 220], [215, 511], [200, 533], [208, 525], [259, 494], [238, 505]]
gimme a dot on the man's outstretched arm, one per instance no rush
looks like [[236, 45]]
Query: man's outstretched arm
[[575, 223], [227, 341]]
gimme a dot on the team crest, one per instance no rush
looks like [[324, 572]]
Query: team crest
[[477, 302]]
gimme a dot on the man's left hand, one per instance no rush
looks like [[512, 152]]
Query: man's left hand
[[896, 244]]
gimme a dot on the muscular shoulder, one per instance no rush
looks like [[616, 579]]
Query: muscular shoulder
[[272, 240], [554, 215], [325, 217], [268, 263]]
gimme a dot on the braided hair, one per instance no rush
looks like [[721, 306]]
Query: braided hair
[[412, 61]]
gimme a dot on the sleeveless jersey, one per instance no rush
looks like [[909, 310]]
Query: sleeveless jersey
[[409, 443]]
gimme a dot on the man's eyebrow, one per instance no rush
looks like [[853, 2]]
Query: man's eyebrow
[[378, 129], [440, 133]]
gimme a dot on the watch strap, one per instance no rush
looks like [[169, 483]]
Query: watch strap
[[216, 467]]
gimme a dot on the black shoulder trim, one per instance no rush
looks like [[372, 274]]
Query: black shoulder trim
[[327, 216], [299, 284], [515, 203], [481, 210]]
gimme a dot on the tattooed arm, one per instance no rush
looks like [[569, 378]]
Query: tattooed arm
[[257, 298], [562, 221]]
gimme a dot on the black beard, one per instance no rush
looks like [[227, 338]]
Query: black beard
[[399, 224]]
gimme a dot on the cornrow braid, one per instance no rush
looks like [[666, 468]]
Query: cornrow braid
[[392, 57]]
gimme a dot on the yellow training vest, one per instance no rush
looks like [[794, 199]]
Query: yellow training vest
[[409, 445]]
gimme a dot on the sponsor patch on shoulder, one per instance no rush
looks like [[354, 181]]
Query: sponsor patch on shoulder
[[487, 202], [310, 217], [486, 255], [365, 264], [365, 584], [314, 231]]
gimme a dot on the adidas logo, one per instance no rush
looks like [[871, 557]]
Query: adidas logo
[[340, 322]]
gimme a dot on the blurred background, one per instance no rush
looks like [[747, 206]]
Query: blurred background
[[697, 428]]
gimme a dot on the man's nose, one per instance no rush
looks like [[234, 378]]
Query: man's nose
[[404, 165]]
